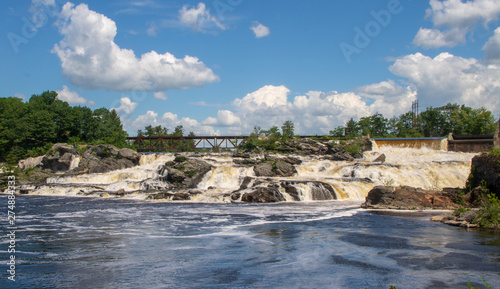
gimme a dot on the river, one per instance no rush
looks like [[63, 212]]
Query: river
[[74, 242], [65, 240]]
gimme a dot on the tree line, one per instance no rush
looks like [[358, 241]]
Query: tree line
[[433, 122], [31, 128]]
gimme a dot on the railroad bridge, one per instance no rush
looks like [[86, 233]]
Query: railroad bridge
[[164, 143]]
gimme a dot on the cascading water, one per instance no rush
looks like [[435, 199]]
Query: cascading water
[[317, 179]]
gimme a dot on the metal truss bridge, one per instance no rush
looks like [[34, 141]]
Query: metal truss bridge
[[165, 143]]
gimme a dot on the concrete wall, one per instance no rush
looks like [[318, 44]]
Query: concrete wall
[[417, 143]]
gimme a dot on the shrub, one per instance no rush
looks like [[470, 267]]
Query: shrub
[[489, 213], [180, 159]]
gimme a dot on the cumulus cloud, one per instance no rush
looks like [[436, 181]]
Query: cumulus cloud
[[260, 30], [199, 18], [455, 19], [492, 47], [435, 38], [91, 59], [127, 106], [160, 95], [224, 118], [72, 97], [448, 78]]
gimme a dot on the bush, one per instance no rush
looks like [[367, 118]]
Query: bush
[[180, 159], [489, 214]]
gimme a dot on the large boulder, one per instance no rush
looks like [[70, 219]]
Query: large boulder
[[407, 198], [105, 158], [60, 158], [275, 168], [263, 195], [185, 173], [486, 169]]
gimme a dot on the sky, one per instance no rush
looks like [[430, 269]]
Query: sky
[[223, 67]]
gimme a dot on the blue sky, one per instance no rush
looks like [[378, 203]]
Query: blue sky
[[225, 66]]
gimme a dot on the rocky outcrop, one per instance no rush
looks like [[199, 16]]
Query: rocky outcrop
[[275, 168], [408, 198], [96, 159], [345, 150], [263, 195], [185, 173], [486, 168], [258, 190], [105, 158]]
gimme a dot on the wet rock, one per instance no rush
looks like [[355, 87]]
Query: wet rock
[[380, 159], [263, 195], [273, 168], [406, 198], [186, 173]]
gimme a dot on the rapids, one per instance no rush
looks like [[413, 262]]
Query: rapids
[[316, 178]]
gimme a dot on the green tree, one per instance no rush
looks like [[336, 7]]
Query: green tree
[[288, 130]]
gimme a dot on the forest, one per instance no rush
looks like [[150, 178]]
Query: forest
[[30, 128]]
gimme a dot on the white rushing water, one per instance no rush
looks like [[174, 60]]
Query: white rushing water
[[350, 180]]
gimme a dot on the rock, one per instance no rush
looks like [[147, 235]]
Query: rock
[[129, 154], [186, 173], [59, 158], [273, 168], [385, 197], [380, 159], [487, 168], [467, 216], [30, 163], [105, 158], [263, 195]]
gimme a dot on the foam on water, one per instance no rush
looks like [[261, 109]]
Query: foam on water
[[351, 180]]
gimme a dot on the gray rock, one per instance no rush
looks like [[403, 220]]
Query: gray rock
[[186, 173], [30, 163], [273, 168], [380, 159], [263, 195]]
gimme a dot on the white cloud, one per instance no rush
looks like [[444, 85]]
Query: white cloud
[[435, 38], [127, 106], [160, 95], [91, 59], [457, 18], [168, 120], [152, 29], [448, 78], [72, 97], [260, 30], [492, 47], [224, 118], [199, 18]]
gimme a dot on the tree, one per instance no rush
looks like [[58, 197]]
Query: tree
[[287, 129], [338, 132], [178, 131]]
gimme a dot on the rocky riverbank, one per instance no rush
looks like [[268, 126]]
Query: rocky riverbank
[[475, 206]]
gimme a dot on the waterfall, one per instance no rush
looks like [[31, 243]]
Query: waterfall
[[317, 179]]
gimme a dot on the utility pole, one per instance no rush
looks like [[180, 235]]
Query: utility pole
[[415, 112]]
